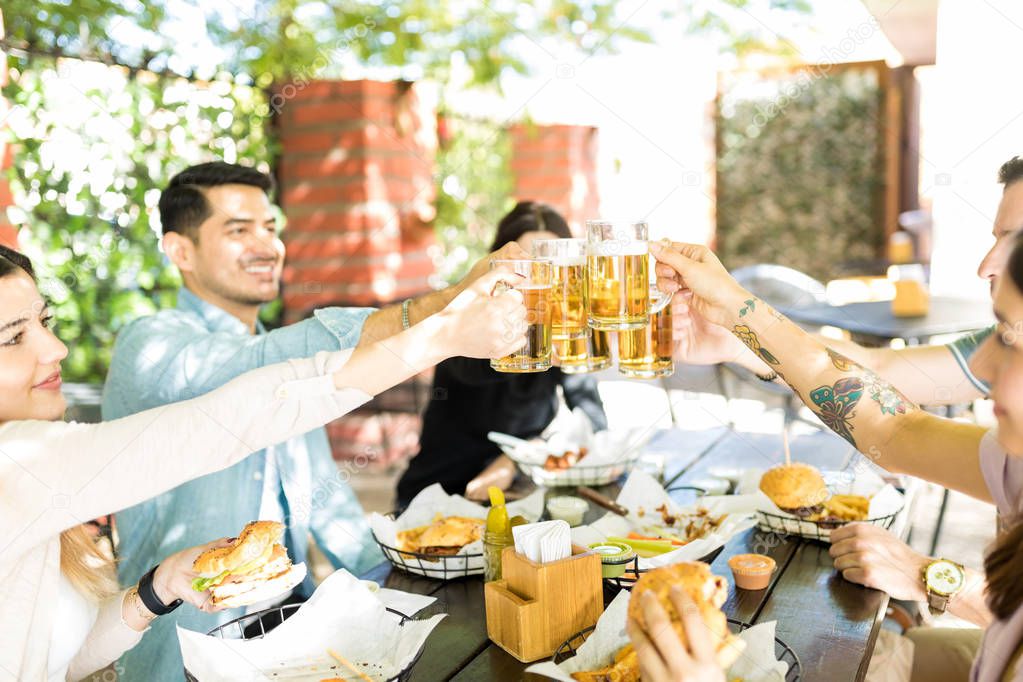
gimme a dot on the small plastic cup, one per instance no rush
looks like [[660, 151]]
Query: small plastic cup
[[567, 508], [614, 557], [751, 571]]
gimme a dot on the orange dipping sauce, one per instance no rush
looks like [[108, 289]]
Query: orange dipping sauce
[[751, 571]]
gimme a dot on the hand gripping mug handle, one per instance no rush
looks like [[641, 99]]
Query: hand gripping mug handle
[[501, 287], [662, 303], [664, 299]]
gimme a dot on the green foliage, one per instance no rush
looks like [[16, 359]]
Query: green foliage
[[89, 28], [740, 31], [419, 36], [474, 191], [93, 151], [799, 172], [284, 39]]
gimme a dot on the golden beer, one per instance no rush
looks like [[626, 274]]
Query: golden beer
[[567, 296], [589, 354], [573, 355], [535, 287], [600, 350], [568, 293], [618, 276], [647, 353]]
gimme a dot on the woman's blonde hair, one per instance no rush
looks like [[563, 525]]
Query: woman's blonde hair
[[85, 565]]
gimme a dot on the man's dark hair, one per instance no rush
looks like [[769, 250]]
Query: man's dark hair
[[183, 205], [1011, 171]]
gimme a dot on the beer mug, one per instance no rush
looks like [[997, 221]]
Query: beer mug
[[535, 286], [647, 353], [618, 276], [589, 354], [568, 291]]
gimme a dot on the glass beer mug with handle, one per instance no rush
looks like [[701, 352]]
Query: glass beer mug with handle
[[589, 354], [647, 353], [618, 275], [535, 286], [568, 290]]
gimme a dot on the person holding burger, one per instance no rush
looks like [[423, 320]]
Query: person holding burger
[[875, 418], [61, 616]]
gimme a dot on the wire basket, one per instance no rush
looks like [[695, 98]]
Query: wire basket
[[577, 475], [438, 566], [782, 650], [814, 530], [236, 629]]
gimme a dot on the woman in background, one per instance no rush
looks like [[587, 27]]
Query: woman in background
[[469, 398]]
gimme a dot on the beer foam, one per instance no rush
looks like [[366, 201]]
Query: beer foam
[[619, 248], [568, 261]]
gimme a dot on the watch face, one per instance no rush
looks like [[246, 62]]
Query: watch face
[[944, 578]]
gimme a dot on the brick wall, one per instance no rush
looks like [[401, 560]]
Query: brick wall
[[8, 233], [356, 175], [356, 182], [557, 164]]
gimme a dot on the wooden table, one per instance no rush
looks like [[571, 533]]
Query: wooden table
[[831, 624]]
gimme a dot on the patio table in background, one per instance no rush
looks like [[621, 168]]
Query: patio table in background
[[873, 322]]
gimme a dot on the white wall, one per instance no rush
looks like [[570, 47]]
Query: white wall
[[974, 123]]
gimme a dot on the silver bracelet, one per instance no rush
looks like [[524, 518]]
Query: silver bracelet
[[405, 324]]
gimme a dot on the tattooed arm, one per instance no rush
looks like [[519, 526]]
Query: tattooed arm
[[851, 400]]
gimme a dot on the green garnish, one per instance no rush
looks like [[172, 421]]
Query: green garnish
[[203, 584]]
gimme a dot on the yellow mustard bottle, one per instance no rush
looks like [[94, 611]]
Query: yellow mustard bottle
[[497, 535]]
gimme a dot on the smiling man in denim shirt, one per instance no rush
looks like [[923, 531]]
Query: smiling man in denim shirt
[[220, 231]]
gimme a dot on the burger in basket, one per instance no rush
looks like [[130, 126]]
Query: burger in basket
[[446, 536], [800, 490], [253, 568], [708, 592]]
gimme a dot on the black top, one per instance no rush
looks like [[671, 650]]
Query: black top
[[469, 399]]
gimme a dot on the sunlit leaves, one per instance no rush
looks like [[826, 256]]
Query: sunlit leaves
[[93, 151]]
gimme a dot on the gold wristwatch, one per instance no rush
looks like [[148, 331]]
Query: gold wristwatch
[[943, 579]]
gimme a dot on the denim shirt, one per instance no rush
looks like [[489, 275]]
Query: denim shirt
[[178, 354]]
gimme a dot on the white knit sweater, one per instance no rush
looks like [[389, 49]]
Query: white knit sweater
[[55, 475]]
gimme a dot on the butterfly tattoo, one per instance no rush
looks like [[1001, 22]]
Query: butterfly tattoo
[[837, 405]]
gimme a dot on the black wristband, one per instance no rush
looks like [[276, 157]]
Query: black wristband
[[148, 595]]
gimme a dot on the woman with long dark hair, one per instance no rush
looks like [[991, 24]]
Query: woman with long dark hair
[[469, 398], [881, 423], [61, 615]]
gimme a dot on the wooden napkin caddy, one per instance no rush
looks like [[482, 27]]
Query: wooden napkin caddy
[[536, 607]]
